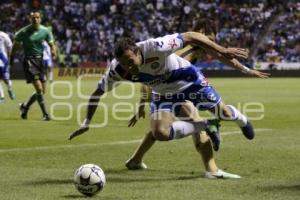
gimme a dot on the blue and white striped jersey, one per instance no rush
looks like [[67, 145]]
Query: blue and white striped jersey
[[162, 69], [5, 48]]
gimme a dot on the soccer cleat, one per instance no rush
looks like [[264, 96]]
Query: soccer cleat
[[23, 111], [248, 131], [220, 174], [11, 94], [131, 165], [212, 131], [46, 117]]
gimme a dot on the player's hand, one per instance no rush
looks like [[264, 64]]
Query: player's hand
[[258, 74], [236, 53], [137, 116], [78, 132]]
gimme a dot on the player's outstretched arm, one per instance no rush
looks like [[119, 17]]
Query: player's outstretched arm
[[199, 39], [234, 63], [145, 97], [91, 109]]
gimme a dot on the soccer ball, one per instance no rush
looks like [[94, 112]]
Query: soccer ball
[[89, 179]]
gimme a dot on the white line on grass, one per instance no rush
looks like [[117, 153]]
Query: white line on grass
[[101, 144]]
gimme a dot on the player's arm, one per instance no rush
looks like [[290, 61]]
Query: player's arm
[[234, 63], [145, 97], [51, 42], [15, 46], [53, 49], [91, 109], [107, 83], [199, 39]]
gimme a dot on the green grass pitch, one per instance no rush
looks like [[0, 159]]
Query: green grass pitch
[[38, 162]]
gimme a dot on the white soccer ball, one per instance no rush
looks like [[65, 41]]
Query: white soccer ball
[[89, 179]]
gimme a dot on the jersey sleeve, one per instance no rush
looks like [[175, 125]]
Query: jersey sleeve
[[18, 36], [109, 80], [49, 37], [8, 43], [167, 44]]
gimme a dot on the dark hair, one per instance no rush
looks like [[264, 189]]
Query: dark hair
[[206, 25], [123, 44]]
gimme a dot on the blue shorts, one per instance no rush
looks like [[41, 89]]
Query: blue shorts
[[47, 63], [203, 98], [4, 73]]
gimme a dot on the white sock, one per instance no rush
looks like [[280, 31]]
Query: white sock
[[1, 92], [51, 76], [238, 117], [181, 129], [9, 85]]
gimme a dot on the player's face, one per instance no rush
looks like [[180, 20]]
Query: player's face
[[35, 18], [131, 61]]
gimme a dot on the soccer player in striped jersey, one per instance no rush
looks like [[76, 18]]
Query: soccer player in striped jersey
[[173, 80], [5, 50], [201, 142]]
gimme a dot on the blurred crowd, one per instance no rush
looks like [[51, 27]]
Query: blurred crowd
[[85, 30]]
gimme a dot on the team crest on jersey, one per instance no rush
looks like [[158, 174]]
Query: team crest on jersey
[[172, 44], [155, 65]]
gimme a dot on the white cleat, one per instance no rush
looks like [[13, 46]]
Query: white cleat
[[220, 174], [131, 165]]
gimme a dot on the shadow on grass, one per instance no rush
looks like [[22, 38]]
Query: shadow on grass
[[49, 182], [98, 196], [281, 188], [125, 176]]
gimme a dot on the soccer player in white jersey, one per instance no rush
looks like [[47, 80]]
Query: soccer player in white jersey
[[173, 80], [5, 50], [47, 60], [201, 141]]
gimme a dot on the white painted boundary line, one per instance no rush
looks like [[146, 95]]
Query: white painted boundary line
[[102, 144]]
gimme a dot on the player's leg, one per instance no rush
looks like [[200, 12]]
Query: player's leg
[[50, 74], [163, 128], [231, 113], [10, 91], [8, 83], [30, 71], [39, 87], [136, 160], [2, 96], [203, 145]]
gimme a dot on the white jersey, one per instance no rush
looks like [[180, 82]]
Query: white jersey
[[46, 51], [5, 48], [162, 69]]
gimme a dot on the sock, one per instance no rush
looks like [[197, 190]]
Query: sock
[[1, 92], [9, 85], [40, 99], [31, 100], [51, 76], [237, 116], [181, 129]]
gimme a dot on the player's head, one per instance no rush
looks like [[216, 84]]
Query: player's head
[[207, 27], [35, 18], [128, 54]]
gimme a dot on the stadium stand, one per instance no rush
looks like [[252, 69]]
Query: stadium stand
[[85, 31]]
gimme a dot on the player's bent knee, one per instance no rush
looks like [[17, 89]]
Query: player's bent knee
[[226, 115], [161, 134]]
